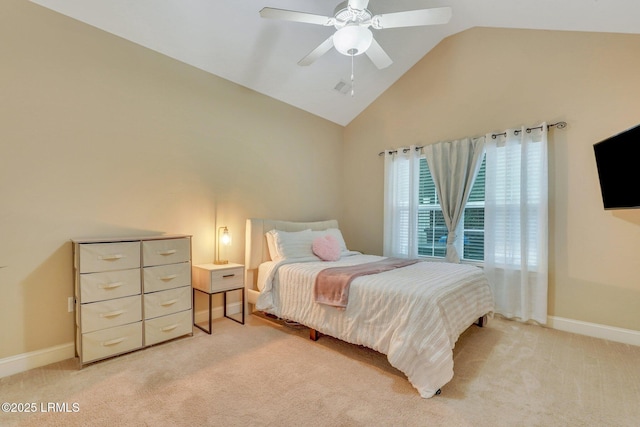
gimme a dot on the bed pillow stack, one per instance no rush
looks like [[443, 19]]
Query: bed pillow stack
[[300, 244]]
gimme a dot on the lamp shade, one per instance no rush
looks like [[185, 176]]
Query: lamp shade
[[352, 40], [225, 238], [222, 239]]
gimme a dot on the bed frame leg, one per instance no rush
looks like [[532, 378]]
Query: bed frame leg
[[314, 335], [482, 321]]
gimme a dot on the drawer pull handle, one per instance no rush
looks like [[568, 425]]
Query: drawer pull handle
[[113, 342], [112, 314], [169, 277], [226, 276], [111, 257], [111, 285], [167, 252], [169, 328], [170, 302]]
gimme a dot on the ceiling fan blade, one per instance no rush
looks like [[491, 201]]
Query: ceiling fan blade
[[378, 56], [412, 18], [316, 53], [290, 15], [358, 4]]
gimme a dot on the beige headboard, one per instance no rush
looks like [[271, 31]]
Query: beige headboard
[[256, 249]]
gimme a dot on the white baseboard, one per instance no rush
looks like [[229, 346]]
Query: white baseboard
[[34, 359], [625, 336]]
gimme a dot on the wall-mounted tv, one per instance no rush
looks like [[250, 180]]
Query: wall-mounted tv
[[618, 162]]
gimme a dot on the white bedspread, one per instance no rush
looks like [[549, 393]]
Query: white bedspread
[[414, 314]]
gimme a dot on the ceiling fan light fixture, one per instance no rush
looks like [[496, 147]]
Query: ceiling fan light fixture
[[352, 40]]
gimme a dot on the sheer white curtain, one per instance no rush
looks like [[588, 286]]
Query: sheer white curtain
[[516, 222], [401, 180], [454, 166]]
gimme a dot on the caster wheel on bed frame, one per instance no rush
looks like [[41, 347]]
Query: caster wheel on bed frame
[[482, 321]]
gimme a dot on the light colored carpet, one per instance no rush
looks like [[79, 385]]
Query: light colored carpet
[[266, 373]]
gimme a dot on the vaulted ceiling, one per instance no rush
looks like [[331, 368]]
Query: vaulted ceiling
[[229, 39]]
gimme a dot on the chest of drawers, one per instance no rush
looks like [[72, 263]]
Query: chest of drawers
[[130, 293]]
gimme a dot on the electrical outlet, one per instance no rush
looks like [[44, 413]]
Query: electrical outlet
[[70, 304]]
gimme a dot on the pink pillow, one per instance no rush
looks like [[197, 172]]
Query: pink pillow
[[326, 248]]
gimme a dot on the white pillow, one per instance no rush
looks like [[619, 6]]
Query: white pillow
[[290, 244]]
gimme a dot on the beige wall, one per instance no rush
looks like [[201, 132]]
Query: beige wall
[[101, 137], [485, 80]]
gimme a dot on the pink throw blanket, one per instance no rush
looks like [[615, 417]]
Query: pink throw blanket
[[332, 284]]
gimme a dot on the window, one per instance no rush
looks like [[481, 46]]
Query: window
[[432, 230]]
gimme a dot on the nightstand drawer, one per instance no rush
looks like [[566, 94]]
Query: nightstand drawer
[[163, 277], [211, 278], [96, 257], [110, 313], [108, 285], [167, 302], [105, 343], [167, 327], [166, 251]]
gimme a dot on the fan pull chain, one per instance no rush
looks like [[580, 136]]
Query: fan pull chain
[[352, 78]]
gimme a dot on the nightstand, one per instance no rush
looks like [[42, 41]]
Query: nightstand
[[212, 279]]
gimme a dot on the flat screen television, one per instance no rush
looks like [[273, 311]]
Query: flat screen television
[[618, 162]]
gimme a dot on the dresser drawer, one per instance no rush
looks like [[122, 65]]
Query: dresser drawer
[[110, 313], [167, 327], [167, 302], [211, 278], [108, 342], [96, 257], [111, 284], [163, 277], [166, 251]]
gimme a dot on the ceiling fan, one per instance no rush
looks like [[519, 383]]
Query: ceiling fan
[[352, 20]]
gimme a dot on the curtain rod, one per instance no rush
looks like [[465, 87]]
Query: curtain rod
[[559, 125]]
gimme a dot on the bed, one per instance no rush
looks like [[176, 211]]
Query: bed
[[413, 314]]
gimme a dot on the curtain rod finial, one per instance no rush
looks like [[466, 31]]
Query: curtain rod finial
[[560, 125]]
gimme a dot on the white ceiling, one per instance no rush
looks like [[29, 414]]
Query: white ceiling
[[228, 38]]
